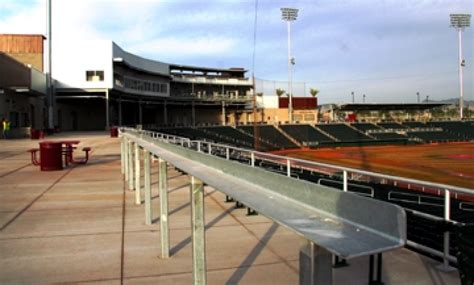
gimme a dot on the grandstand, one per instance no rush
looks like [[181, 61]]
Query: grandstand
[[306, 135], [343, 132]]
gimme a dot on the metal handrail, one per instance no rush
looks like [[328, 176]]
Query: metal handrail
[[299, 163]]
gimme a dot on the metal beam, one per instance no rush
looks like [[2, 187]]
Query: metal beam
[[323, 215], [163, 191], [138, 198], [198, 231], [122, 155], [146, 166], [315, 264], [130, 165]]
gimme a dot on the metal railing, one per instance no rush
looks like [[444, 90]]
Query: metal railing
[[290, 164], [328, 221]]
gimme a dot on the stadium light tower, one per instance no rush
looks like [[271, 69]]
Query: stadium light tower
[[289, 15], [460, 22], [353, 98], [417, 97]]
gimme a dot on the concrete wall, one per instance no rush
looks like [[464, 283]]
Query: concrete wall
[[72, 59]]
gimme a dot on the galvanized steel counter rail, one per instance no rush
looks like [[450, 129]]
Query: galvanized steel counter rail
[[329, 221]]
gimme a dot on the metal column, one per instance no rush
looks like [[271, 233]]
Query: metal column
[[315, 264], [122, 155], [130, 165], [165, 113], [198, 231], [138, 198], [120, 111], [107, 112], [193, 114], [163, 191], [146, 166], [223, 114]]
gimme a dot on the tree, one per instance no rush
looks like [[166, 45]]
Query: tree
[[314, 92], [279, 92], [259, 94]]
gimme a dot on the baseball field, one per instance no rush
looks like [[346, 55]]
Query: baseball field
[[447, 163]]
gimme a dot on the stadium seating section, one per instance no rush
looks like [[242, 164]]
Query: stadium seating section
[[343, 132], [306, 134], [320, 135]]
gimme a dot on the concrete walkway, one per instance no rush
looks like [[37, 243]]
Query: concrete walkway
[[80, 225]]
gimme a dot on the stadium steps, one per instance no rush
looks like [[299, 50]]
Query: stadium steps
[[359, 131], [263, 142], [288, 136], [325, 133]]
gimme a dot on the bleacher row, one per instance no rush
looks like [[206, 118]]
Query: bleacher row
[[273, 137], [421, 228]]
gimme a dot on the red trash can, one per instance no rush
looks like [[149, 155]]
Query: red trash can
[[113, 132], [51, 156]]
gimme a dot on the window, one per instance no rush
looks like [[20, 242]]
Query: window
[[94, 75]]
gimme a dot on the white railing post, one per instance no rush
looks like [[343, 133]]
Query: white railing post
[[138, 198], [164, 225], [198, 231], [288, 167], [344, 181], [445, 267], [209, 148], [227, 153], [252, 159], [146, 166], [131, 181], [122, 155], [199, 146]]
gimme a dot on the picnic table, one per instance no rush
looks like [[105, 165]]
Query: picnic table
[[52, 153]]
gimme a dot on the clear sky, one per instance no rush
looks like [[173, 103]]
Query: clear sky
[[386, 49]]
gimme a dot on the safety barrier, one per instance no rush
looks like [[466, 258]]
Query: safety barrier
[[329, 221]]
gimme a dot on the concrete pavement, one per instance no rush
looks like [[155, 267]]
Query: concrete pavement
[[81, 225]]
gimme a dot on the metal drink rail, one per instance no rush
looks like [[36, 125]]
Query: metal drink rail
[[329, 221], [295, 163]]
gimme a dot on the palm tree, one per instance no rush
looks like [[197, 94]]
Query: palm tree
[[314, 92], [279, 92]]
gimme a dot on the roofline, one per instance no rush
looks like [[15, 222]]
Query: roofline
[[199, 68], [25, 35]]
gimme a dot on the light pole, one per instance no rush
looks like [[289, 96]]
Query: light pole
[[289, 15], [353, 98], [49, 80], [363, 98], [417, 97], [459, 22]]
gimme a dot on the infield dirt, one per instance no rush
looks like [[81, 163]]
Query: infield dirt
[[448, 163]]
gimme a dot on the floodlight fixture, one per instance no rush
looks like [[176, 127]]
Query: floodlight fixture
[[289, 15], [460, 22]]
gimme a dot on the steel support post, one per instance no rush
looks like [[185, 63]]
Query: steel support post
[[227, 153], [122, 155], [288, 168], [130, 166], [315, 264], [146, 166], [198, 231], [445, 267], [252, 159], [138, 198], [125, 157], [163, 190]]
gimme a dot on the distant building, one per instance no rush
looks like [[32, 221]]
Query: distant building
[[22, 82]]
